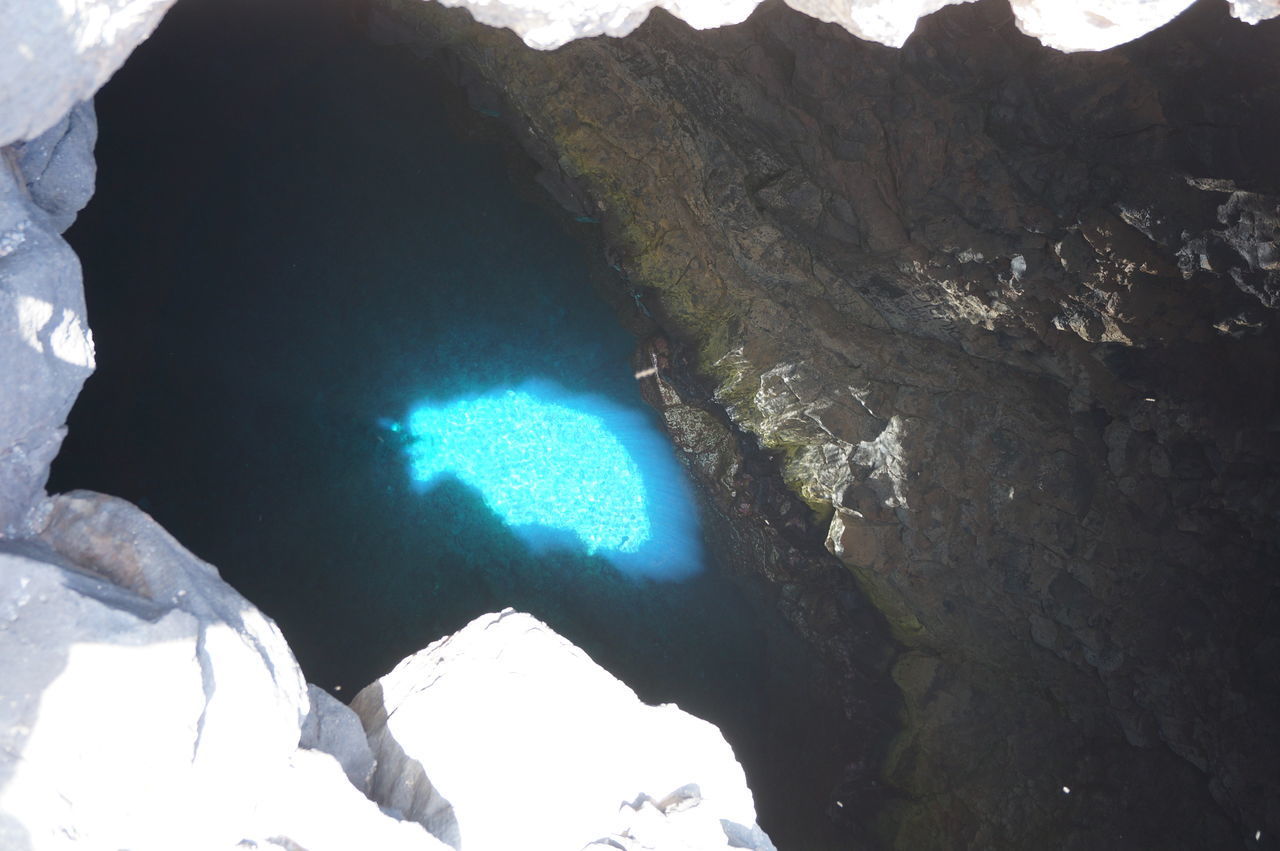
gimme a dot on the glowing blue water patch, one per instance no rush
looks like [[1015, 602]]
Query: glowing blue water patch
[[537, 464], [565, 471]]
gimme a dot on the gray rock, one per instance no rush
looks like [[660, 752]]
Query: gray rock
[[95, 679], [54, 55], [46, 350], [144, 704], [332, 727], [59, 167], [189, 684], [504, 735]]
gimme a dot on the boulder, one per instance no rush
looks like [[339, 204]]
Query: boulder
[[54, 55], [145, 704], [504, 735]]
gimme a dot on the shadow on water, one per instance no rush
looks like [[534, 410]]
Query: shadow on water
[[287, 247]]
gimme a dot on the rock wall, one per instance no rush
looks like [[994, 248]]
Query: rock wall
[[1007, 316], [45, 345]]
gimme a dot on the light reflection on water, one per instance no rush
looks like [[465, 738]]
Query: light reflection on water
[[564, 472]]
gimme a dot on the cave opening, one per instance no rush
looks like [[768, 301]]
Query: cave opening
[[295, 239]]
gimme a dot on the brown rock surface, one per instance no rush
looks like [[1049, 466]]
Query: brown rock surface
[[1008, 317]]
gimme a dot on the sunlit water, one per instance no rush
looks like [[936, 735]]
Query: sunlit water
[[566, 472], [288, 252]]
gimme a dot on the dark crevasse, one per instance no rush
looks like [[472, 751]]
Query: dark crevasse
[[288, 245]]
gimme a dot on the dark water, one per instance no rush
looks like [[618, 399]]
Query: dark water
[[288, 244]]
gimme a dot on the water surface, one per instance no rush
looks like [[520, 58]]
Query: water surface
[[288, 249]]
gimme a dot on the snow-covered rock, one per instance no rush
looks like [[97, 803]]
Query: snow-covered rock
[[504, 735], [144, 704]]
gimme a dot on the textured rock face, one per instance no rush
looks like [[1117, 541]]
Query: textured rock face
[[1008, 318], [46, 351], [332, 728], [145, 704], [505, 735], [54, 55], [1089, 25]]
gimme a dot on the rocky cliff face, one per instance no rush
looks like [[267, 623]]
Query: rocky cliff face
[[1007, 317]]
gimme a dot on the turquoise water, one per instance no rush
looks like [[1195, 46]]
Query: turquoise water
[[301, 253], [567, 472], [291, 249]]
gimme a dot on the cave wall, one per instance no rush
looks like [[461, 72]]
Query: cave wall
[[1007, 316], [146, 704], [1078, 25]]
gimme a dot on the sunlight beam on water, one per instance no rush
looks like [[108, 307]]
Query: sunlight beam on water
[[537, 464], [565, 472]]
